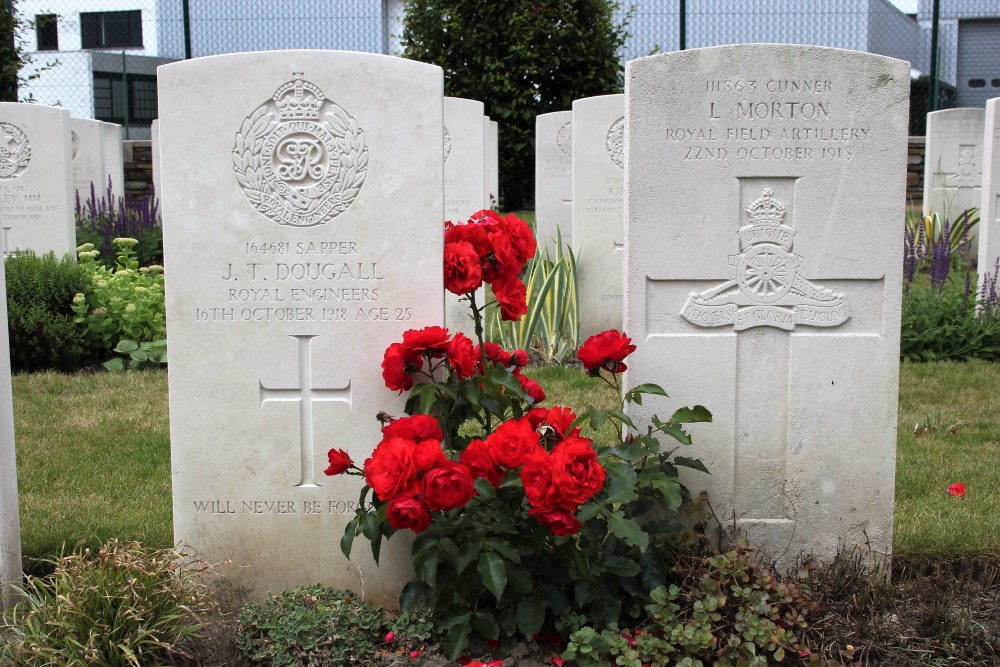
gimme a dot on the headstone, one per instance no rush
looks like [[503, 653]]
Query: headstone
[[989, 216], [10, 526], [36, 187], [154, 131], [302, 231], [953, 165], [492, 129], [554, 178], [763, 250], [598, 227], [464, 187], [87, 136], [114, 166]]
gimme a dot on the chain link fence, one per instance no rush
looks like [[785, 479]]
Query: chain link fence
[[99, 57]]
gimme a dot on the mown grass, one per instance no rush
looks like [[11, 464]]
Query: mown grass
[[94, 458]]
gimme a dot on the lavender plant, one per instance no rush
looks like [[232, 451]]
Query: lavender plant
[[101, 220]]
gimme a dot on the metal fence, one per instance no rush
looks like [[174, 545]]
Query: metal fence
[[99, 57]]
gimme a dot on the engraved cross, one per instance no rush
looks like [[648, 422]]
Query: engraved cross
[[7, 247], [305, 395]]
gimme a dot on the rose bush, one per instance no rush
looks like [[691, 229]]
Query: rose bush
[[522, 521]]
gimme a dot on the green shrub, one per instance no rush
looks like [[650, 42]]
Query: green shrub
[[314, 625], [123, 606], [40, 291]]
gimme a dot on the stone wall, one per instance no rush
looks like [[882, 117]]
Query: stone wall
[[915, 172], [138, 163]]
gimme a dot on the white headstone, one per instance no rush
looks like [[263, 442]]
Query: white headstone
[[953, 164], [598, 227], [989, 216], [87, 136], [10, 527], [154, 131], [36, 187], [765, 195], [464, 187], [554, 178], [492, 129], [303, 212], [114, 167]]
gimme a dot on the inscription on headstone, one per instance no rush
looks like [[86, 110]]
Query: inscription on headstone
[[302, 227], [953, 164], [554, 178], [753, 172], [36, 200], [598, 228]]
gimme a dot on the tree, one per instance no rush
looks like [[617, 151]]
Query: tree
[[14, 56], [520, 58]]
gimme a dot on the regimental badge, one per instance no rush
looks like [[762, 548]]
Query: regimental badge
[[967, 175], [768, 290], [616, 142], [75, 143], [447, 143], [564, 139], [15, 151], [300, 158]]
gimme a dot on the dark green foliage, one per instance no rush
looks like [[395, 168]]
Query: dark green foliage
[[943, 323], [520, 58], [40, 291]]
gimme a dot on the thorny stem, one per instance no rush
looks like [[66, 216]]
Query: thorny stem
[[477, 316]]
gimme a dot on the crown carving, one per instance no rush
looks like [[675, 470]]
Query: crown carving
[[298, 99], [766, 210]]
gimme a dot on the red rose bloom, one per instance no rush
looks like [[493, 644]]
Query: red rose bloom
[[560, 419], [339, 462], [530, 387], [394, 366], [462, 271], [462, 356], [560, 521], [522, 239], [512, 441], [415, 427], [472, 234], [429, 340], [576, 472], [390, 470], [496, 354], [447, 486], [427, 454], [511, 296], [479, 458], [606, 350], [408, 511], [536, 417], [536, 478]]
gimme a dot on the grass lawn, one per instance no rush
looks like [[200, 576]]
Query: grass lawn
[[93, 456]]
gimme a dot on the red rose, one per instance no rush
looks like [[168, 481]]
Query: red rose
[[390, 470], [521, 237], [427, 454], [462, 356], [429, 340], [576, 472], [495, 353], [519, 358], [479, 458], [339, 462], [447, 486], [560, 521], [536, 417], [408, 511], [606, 350], [472, 234], [536, 478], [394, 367], [530, 387], [560, 419], [415, 427], [511, 296], [512, 441], [462, 271]]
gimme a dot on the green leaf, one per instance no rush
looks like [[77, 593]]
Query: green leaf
[[126, 346], [412, 594], [670, 489], [494, 572], [689, 462], [530, 616], [677, 433], [465, 559], [620, 482], [623, 418], [648, 388], [484, 489], [350, 532], [369, 525], [587, 512], [691, 415], [628, 530], [620, 565], [597, 418], [115, 365], [504, 548], [484, 622], [456, 641]]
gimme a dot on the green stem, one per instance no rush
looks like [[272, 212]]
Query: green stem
[[477, 317]]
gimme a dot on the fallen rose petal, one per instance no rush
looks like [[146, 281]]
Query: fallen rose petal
[[389, 635], [957, 489], [495, 663], [556, 660], [415, 654]]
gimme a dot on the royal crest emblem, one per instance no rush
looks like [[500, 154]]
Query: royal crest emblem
[[300, 158], [616, 142], [447, 144], [15, 151], [768, 289], [967, 175], [564, 139]]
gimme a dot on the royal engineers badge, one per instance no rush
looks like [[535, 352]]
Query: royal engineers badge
[[768, 290], [300, 159], [15, 151]]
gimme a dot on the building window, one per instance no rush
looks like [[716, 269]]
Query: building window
[[99, 30], [110, 100], [977, 83], [995, 83], [47, 32]]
